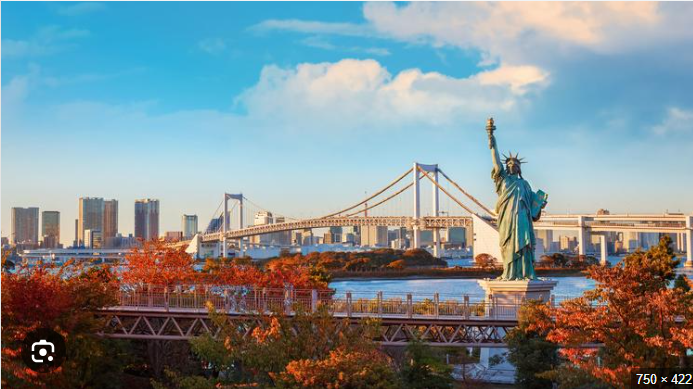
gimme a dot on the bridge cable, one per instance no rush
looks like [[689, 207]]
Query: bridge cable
[[446, 192], [477, 202], [266, 209], [371, 197], [382, 201], [214, 215]]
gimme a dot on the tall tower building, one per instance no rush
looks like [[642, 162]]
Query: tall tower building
[[50, 229], [374, 236], [189, 226], [262, 217], [110, 219], [90, 216], [75, 243], [25, 225], [147, 219]]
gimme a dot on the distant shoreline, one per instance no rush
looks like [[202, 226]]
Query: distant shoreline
[[469, 273]]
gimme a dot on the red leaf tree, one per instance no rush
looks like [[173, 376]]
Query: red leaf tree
[[159, 263], [640, 322]]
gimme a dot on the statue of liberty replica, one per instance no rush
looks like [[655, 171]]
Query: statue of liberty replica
[[517, 208]]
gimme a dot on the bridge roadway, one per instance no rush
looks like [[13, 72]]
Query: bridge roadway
[[666, 223], [177, 315]]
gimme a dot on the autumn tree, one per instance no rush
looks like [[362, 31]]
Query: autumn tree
[[280, 349], [485, 261], [340, 369], [158, 263], [632, 313], [65, 299]]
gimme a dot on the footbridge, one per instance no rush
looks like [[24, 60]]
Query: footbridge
[[439, 320]]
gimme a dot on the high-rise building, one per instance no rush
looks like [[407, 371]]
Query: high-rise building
[[93, 239], [546, 237], [262, 217], [174, 236], [110, 219], [374, 236], [50, 229], [215, 224], [75, 243], [189, 224], [25, 225], [458, 236], [568, 243], [90, 216], [147, 219], [282, 238], [425, 237]]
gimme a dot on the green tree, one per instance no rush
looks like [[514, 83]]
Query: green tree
[[681, 282], [422, 370], [528, 349]]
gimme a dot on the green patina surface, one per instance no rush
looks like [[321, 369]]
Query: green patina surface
[[517, 207]]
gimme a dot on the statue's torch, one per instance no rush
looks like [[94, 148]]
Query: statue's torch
[[490, 128]]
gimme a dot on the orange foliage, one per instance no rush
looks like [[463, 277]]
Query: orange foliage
[[228, 272], [160, 264], [64, 299], [632, 312], [341, 369]]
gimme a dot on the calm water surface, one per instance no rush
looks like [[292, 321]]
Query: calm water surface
[[448, 287]]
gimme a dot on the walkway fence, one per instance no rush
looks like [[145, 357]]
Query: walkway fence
[[253, 301]]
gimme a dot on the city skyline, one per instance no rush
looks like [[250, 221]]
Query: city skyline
[[185, 116]]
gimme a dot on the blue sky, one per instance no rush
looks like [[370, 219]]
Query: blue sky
[[305, 106]]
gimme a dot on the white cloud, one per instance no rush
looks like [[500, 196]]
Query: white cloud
[[362, 94], [677, 120], [46, 41], [513, 31], [320, 42], [212, 45], [77, 9], [313, 27], [518, 77]]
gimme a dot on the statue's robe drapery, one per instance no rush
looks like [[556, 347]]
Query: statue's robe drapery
[[516, 208]]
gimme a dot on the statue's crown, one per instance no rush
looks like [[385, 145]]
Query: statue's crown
[[515, 158]]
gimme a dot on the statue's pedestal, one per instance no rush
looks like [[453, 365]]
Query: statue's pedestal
[[503, 298]]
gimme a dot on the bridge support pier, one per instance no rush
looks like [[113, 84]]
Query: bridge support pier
[[689, 241], [583, 236], [603, 250], [416, 239]]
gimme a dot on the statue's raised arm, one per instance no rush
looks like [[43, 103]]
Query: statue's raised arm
[[497, 163]]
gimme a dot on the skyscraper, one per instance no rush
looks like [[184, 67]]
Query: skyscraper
[[110, 219], [90, 216], [189, 226], [50, 228], [374, 236], [75, 243], [25, 225], [147, 219], [93, 239], [262, 217]]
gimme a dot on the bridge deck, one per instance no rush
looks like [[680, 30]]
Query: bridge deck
[[666, 223], [178, 315]]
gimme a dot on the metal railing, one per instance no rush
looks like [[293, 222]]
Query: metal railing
[[362, 304]]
